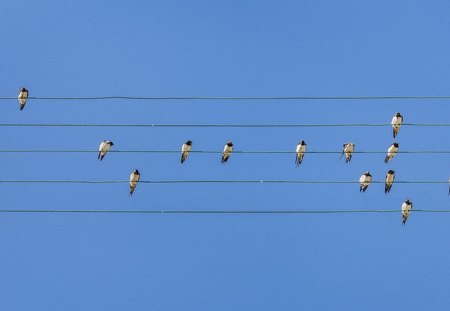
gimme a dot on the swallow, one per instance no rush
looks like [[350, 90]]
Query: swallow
[[301, 149], [406, 209], [390, 176], [348, 149], [185, 149], [134, 179], [104, 148], [392, 151], [23, 96], [227, 150], [396, 122], [365, 181]]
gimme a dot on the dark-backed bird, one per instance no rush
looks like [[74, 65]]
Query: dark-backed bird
[[396, 122], [103, 149], [406, 210], [390, 176], [392, 151], [134, 179], [227, 150], [23, 96], [185, 149], [364, 181], [300, 150], [347, 150]]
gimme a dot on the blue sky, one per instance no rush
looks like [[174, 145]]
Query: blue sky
[[223, 262]]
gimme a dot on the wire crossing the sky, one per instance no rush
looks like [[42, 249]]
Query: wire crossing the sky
[[232, 98], [254, 181], [217, 152], [218, 125], [217, 212]]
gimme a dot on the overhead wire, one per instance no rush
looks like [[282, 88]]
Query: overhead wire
[[252, 181], [250, 212], [218, 125], [215, 151], [235, 98]]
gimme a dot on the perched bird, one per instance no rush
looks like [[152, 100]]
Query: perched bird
[[23, 96], [301, 149], [185, 149], [104, 148], [396, 122], [392, 151], [134, 179], [406, 209], [365, 181], [390, 176], [227, 150], [348, 149]]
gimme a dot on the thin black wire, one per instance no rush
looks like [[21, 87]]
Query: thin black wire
[[219, 125], [54, 181], [371, 211], [218, 152], [232, 98]]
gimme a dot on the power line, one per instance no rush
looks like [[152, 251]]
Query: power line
[[217, 152], [359, 211], [218, 125], [55, 181], [231, 98]]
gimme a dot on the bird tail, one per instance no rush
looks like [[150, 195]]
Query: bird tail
[[387, 188], [386, 160], [347, 159]]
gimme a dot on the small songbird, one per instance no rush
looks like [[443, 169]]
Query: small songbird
[[185, 149], [23, 96], [227, 150], [396, 122], [365, 181], [348, 149], [104, 148], [392, 151], [301, 149], [134, 179], [406, 210], [390, 176]]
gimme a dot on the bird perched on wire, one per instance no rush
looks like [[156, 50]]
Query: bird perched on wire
[[227, 150], [392, 151], [185, 150], [104, 147], [23, 96], [364, 181], [300, 150], [390, 176], [134, 179], [396, 122], [348, 149], [406, 210]]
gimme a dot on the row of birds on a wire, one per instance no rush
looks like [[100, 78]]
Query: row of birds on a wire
[[347, 151]]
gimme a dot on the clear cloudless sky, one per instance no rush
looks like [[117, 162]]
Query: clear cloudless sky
[[223, 262]]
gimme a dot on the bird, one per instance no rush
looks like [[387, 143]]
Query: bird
[[104, 147], [185, 149], [301, 149], [406, 210], [227, 150], [396, 122], [392, 151], [348, 149], [365, 181], [23, 96], [390, 176], [134, 179]]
